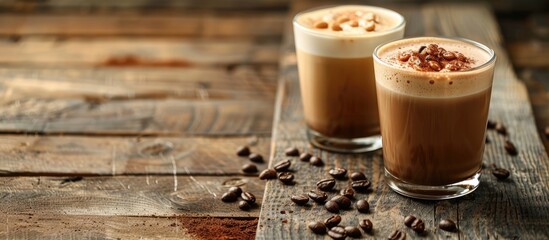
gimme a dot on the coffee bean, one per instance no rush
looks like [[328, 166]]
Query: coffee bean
[[254, 157], [510, 148], [361, 185], [326, 184], [404, 57], [447, 225], [418, 226], [342, 201], [248, 197], [300, 199], [229, 197], [353, 232], [283, 166], [408, 220], [243, 151], [286, 177], [305, 157], [321, 25], [491, 124], [249, 168], [355, 176], [268, 173], [337, 232], [434, 65], [397, 235], [366, 225], [243, 205], [347, 192], [332, 206], [501, 129], [421, 49], [317, 227], [236, 190], [291, 152], [363, 206], [316, 161], [449, 56], [487, 140], [501, 173], [546, 132], [338, 173], [318, 196], [332, 221]]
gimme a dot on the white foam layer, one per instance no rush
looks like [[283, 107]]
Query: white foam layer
[[351, 42], [400, 77]]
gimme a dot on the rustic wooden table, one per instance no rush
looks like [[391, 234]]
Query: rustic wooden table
[[120, 119]]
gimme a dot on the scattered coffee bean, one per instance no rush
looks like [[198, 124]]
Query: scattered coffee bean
[[397, 235], [355, 176], [318, 196], [418, 226], [326, 184], [546, 132], [501, 129], [286, 177], [243, 151], [249, 168], [353, 232], [317, 227], [487, 140], [301, 199], [501, 173], [254, 157], [305, 157], [316, 161], [248, 197], [449, 56], [366, 225], [338, 173], [447, 225], [236, 190], [363, 206], [361, 185], [408, 220], [291, 152], [283, 166], [268, 173], [510, 148], [229, 197], [332, 206], [491, 124], [348, 192], [243, 205], [332, 221], [342, 201], [337, 232]]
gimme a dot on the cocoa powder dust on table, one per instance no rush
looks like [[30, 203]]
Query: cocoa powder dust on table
[[220, 228]]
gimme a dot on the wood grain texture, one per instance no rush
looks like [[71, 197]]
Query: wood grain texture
[[160, 196], [182, 24], [66, 155], [538, 88], [139, 52], [517, 208]]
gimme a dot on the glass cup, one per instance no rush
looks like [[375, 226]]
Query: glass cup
[[337, 76], [433, 123]]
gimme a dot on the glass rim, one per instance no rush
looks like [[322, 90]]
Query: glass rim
[[400, 25], [488, 50]]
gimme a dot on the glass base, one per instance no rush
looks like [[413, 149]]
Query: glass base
[[426, 192], [344, 145]]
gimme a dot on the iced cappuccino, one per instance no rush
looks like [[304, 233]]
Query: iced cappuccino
[[334, 51], [433, 96]]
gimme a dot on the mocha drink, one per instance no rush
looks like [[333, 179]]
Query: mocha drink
[[433, 95], [334, 51]]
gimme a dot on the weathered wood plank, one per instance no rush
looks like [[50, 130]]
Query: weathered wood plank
[[62, 155], [537, 81], [182, 24], [119, 52], [515, 208], [161, 196]]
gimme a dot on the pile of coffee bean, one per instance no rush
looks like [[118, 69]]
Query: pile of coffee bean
[[232, 195], [336, 231], [510, 148], [432, 58], [281, 170], [249, 168]]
